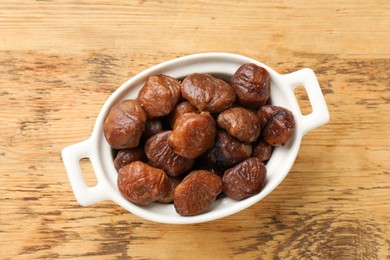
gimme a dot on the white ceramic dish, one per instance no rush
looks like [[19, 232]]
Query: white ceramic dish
[[222, 65]]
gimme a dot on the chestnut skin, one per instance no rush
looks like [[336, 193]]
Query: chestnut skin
[[124, 124], [277, 124], [252, 85]]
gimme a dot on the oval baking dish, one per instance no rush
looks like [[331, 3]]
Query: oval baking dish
[[221, 65]]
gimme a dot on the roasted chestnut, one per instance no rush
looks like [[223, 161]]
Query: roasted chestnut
[[240, 123], [252, 85], [227, 150], [196, 192], [207, 93], [262, 150], [161, 155], [152, 127], [128, 155], [159, 95], [193, 134], [181, 109], [277, 124], [142, 184], [124, 124], [245, 179]]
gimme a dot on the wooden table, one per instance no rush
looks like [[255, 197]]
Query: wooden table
[[60, 61]]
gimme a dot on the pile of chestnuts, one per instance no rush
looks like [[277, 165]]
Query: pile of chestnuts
[[188, 142]]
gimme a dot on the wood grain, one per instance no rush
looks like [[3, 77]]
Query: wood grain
[[60, 61]]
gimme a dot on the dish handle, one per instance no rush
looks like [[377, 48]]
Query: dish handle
[[320, 114], [71, 156]]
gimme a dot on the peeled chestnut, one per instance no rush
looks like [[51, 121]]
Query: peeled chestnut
[[277, 124], [262, 150], [240, 123], [142, 184], [152, 127], [207, 93], [181, 109], [227, 150], [245, 179], [252, 85], [161, 155], [193, 134], [126, 156], [202, 163], [196, 192], [124, 124], [168, 197], [159, 95]]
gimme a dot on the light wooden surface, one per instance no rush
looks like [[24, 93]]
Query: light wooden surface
[[60, 61]]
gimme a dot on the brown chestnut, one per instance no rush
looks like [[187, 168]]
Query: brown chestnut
[[240, 123], [142, 184], [262, 150], [252, 85], [124, 124], [196, 192], [152, 127], [193, 134], [161, 155], [245, 179], [159, 95], [168, 197], [126, 156], [227, 150], [277, 124], [181, 109], [207, 93]]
